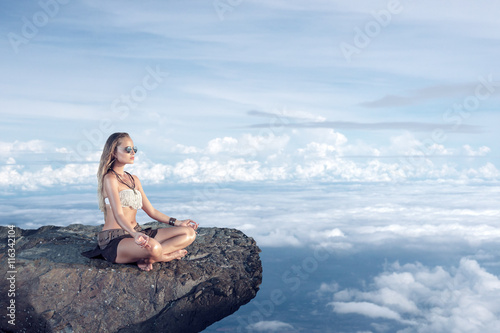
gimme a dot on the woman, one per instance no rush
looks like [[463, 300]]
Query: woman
[[120, 195]]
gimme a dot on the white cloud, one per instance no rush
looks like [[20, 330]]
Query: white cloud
[[462, 299], [13, 176], [185, 149], [149, 172], [407, 144], [247, 144], [279, 238], [318, 149], [404, 144], [213, 171], [487, 171], [267, 157], [470, 233], [481, 151], [328, 288], [365, 309], [334, 233], [219, 145], [271, 326], [32, 146]]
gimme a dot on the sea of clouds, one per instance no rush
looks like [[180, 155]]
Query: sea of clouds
[[461, 298], [271, 155], [432, 249], [399, 214]]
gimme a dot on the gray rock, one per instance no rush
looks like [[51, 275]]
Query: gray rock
[[59, 290]]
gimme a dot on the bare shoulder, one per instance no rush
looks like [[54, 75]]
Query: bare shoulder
[[109, 179], [137, 181]]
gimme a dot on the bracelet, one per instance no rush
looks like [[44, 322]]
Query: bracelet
[[172, 221]]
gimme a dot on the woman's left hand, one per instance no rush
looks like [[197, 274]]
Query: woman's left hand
[[187, 223]]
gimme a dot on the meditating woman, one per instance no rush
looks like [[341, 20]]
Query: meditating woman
[[120, 195]]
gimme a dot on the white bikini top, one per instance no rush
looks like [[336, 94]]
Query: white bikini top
[[129, 198]]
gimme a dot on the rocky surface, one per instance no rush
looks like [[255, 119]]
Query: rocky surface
[[59, 290]]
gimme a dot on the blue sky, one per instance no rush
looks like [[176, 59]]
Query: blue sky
[[266, 83], [369, 128]]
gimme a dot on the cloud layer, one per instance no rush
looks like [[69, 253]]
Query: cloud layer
[[428, 299], [328, 155], [271, 326]]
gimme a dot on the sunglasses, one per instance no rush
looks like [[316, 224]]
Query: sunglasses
[[129, 149]]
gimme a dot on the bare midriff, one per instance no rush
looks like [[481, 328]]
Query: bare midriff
[[111, 223]]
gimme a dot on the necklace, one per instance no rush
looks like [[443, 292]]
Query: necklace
[[132, 181]]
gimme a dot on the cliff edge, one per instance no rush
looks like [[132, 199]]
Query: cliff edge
[[59, 290]]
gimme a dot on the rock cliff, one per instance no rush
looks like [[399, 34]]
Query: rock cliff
[[59, 290]]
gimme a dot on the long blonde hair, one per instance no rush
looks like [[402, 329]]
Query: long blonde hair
[[106, 163]]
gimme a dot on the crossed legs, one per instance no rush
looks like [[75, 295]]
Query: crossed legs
[[167, 245]]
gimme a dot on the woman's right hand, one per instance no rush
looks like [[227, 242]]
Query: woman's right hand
[[142, 240], [188, 223]]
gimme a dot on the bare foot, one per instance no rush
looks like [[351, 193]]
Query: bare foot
[[144, 265], [174, 255]]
